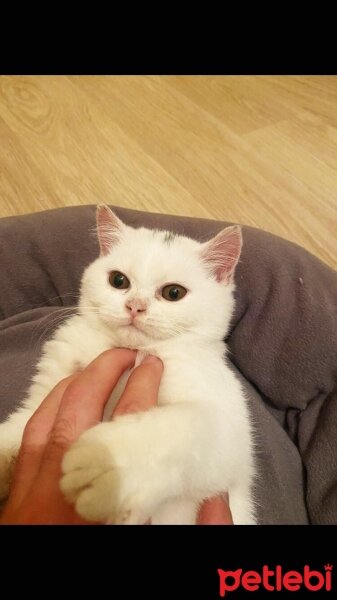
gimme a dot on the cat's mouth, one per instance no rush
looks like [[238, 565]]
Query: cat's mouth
[[133, 324], [135, 333], [137, 329]]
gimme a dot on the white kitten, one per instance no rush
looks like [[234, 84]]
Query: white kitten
[[169, 296]]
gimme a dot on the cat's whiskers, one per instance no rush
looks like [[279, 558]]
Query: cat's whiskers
[[54, 319], [172, 328]]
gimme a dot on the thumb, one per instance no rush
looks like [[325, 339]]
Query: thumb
[[141, 391], [215, 511]]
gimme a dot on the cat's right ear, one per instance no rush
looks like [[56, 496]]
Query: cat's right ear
[[109, 228], [221, 253]]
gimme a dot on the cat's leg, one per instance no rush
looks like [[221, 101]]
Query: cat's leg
[[176, 511], [242, 505], [184, 512], [125, 470]]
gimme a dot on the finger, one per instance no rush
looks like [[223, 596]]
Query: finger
[[34, 440], [83, 401], [40, 509], [215, 511], [141, 391]]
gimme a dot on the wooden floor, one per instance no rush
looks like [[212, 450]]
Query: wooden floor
[[255, 150]]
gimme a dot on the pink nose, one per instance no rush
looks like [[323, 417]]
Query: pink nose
[[136, 307]]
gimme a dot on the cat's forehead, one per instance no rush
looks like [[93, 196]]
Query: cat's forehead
[[155, 254], [162, 238]]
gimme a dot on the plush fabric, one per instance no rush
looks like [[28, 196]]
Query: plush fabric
[[283, 341]]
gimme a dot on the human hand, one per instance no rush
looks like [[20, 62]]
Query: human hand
[[215, 511], [73, 406], [68, 411]]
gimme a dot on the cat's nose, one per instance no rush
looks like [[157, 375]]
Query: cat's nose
[[136, 307]]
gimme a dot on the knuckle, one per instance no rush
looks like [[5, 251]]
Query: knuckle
[[30, 431], [62, 436]]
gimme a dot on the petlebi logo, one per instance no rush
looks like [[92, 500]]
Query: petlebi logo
[[275, 579]]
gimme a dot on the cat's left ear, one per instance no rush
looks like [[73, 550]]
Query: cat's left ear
[[109, 228], [221, 253]]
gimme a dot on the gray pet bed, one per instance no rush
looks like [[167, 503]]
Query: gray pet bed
[[283, 342]]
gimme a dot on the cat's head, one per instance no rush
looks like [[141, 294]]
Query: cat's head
[[150, 285]]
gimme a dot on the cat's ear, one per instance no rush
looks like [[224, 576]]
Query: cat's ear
[[221, 253], [109, 228]]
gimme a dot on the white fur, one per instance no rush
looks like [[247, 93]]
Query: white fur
[[162, 463]]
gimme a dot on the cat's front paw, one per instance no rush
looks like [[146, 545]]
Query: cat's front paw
[[109, 479]]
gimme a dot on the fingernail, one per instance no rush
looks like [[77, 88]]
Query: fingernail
[[150, 359]]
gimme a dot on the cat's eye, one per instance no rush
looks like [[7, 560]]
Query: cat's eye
[[119, 280], [173, 292]]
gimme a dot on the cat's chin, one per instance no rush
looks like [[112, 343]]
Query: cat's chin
[[131, 337]]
